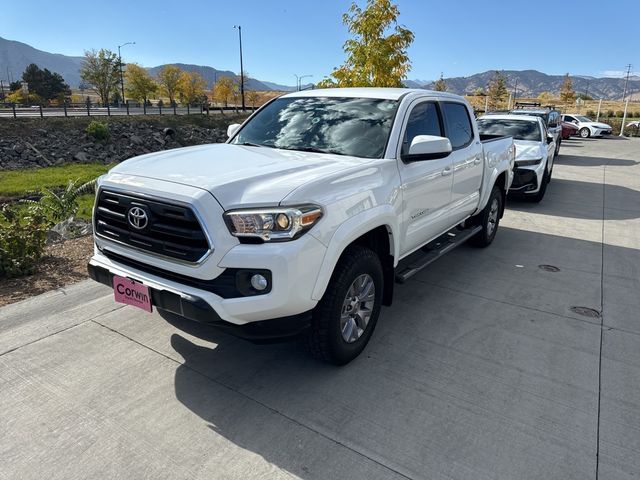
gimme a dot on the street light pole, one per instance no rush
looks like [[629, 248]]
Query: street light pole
[[300, 81], [120, 63], [241, 67]]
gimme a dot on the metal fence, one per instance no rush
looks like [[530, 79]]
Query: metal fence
[[11, 110]]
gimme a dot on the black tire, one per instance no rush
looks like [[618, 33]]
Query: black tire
[[539, 195], [558, 146], [488, 219], [585, 132], [325, 338]]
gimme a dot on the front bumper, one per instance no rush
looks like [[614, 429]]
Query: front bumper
[[527, 180], [196, 309], [294, 268]]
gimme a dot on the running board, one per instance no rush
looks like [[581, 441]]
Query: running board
[[428, 254]]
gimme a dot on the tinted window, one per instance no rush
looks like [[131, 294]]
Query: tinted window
[[458, 125], [424, 120], [568, 118], [518, 129], [346, 126]]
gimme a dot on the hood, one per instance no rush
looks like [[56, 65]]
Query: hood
[[528, 150], [236, 175]]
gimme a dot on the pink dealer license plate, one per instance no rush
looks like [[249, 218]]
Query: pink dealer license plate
[[131, 293]]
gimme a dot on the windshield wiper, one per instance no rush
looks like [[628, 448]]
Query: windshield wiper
[[249, 144], [312, 149]]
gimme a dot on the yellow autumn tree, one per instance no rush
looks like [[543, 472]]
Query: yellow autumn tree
[[138, 83], [377, 53], [567, 94], [169, 81], [223, 90], [191, 88]]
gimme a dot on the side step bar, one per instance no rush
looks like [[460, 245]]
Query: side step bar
[[428, 254]]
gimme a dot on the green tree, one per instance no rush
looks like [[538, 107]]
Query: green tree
[[497, 90], [47, 85], [377, 53], [138, 83], [101, 71], [567, 95], [440, 85], [169, 81]]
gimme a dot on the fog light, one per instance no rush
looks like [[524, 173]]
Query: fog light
[[259, 282]]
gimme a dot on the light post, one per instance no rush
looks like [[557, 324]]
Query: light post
[[299, 80], [241, 67], [120, 63]]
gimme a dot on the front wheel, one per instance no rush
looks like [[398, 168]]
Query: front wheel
[[489, 219], [344, 320], [558, 146], [585, 132]]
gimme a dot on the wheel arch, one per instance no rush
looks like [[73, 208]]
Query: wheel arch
[[380, 237]]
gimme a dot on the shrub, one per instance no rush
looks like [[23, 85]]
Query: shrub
[[610, 113], [58, 207], [98, 130], [591, 114], [619, 113], [22, 241]]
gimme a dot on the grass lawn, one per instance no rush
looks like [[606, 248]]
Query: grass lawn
[[16, 183]]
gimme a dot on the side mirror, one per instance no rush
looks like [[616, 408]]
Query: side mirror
[[428, 147], [232, 129], [549, 138]]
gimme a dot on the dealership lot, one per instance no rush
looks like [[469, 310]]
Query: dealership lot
[[491, 364]]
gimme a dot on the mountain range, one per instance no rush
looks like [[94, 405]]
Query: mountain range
[[15, 56]]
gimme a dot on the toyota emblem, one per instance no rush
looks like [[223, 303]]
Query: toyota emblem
[[138, 218]]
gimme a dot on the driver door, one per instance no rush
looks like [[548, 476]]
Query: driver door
[[426, 184]]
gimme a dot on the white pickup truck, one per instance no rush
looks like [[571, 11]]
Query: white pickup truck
[[303, 221]]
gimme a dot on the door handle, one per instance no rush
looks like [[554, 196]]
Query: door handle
[[477, 159], [446, 171]]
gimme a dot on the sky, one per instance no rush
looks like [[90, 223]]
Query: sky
[[282, 38]]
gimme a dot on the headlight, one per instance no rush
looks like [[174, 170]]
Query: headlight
[[526, 163], [276, 224]]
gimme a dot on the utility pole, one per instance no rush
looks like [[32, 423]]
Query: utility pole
[[515, 92], [120, 64], [241, 67], [626, 82]]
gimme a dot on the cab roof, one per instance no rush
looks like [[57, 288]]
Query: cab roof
[[368, 92]]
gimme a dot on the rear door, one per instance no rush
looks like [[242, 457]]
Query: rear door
[[426, 184], [467, 160]]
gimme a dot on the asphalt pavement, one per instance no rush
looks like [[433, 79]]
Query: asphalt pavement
[[519, 361]]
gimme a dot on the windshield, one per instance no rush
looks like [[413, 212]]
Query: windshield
[[518, 129], [583, 119], [345, 126]]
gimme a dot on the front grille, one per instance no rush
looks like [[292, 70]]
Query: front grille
[[162, 228]]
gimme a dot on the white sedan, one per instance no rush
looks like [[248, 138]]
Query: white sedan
[[587, 127]]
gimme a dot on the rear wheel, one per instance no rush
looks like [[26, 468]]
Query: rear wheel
[[585, 132], [488, 219], [344, 320], [558, 146]]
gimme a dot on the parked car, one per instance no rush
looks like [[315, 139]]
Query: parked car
[[551, 117], [587, 127], [535, 151], [301, 223], [569, 130]]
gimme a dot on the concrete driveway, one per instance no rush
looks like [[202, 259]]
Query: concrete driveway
[[492, 364]]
